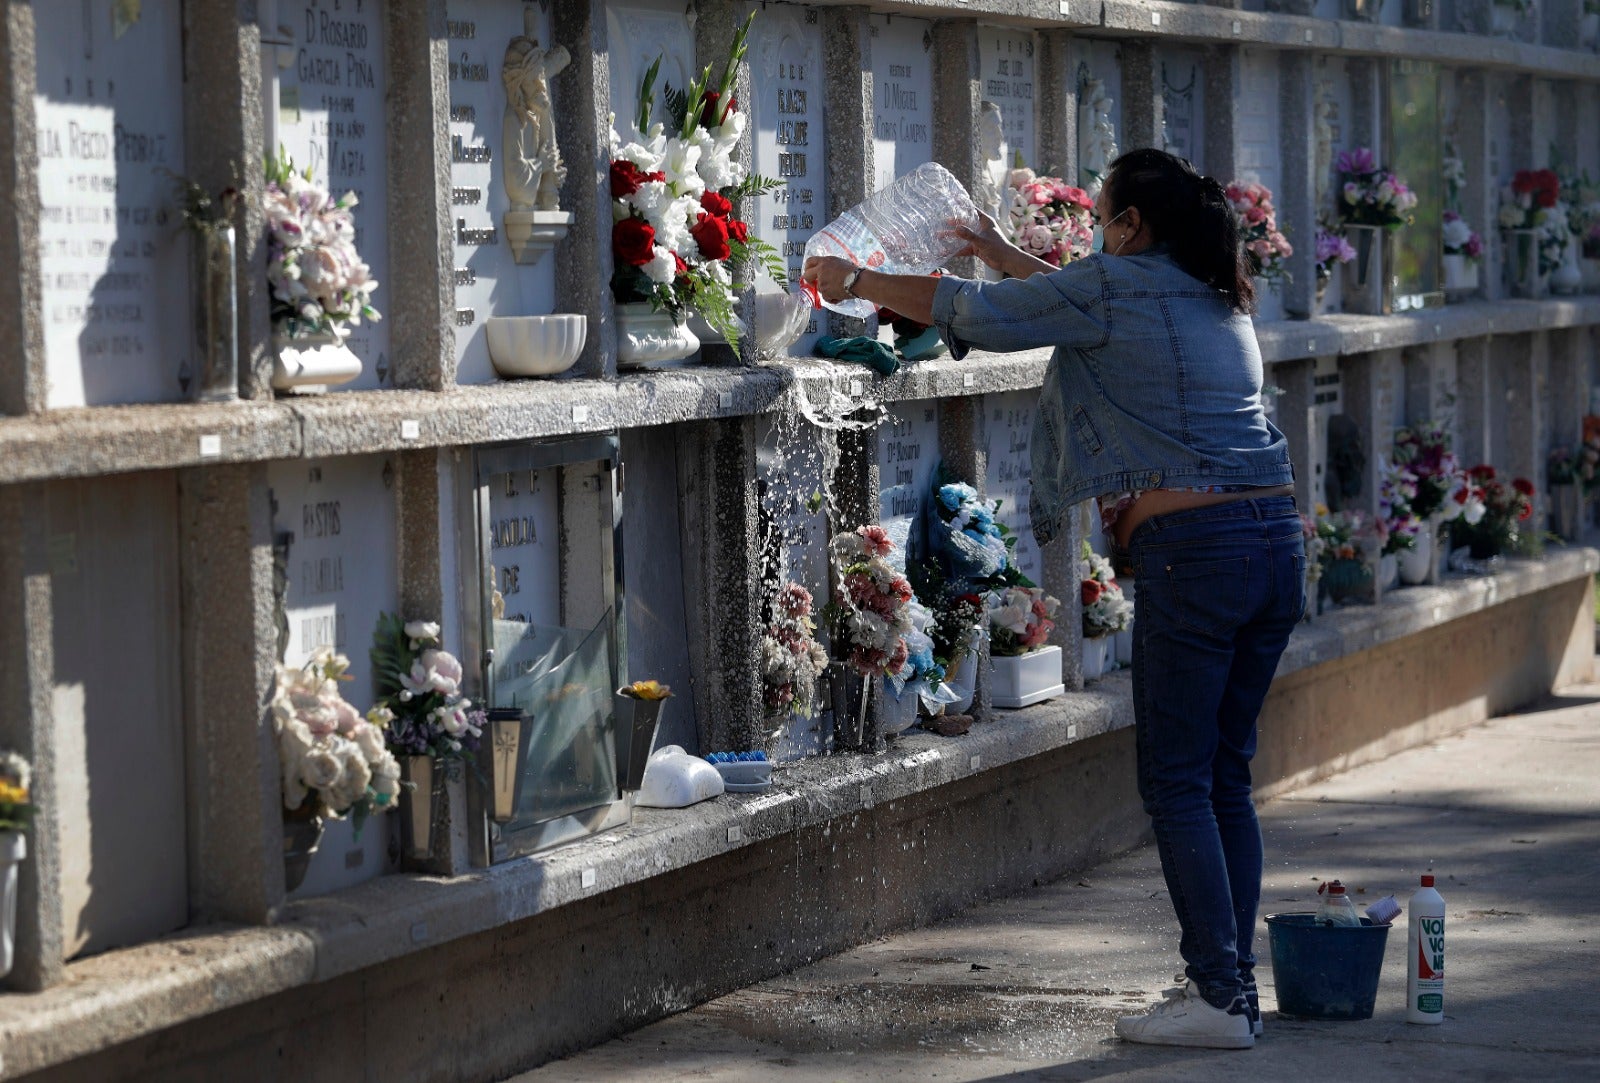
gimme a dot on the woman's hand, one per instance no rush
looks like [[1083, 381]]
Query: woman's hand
[[986, 243], [827, 274]]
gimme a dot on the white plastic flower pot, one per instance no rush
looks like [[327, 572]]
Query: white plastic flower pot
[[1025, 679], [1416, 563], [13, 848], [1460, 273], [1095, 649], [1122, 648], [648, 337], [1388, 571], [897, 711], [1568, 278]]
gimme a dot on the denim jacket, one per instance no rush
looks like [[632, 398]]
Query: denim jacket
[[1155, 382]]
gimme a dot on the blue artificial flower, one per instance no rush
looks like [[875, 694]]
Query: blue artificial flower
[[955, 494], [983, 516]]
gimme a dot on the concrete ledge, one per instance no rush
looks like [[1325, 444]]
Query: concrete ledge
[[123, 439], [125, 994]]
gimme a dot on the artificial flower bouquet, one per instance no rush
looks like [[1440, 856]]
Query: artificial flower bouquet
[[869, 617], [1020, 620], [1532, 201], [1441, 486], [922, 673], [1371, 195], [317, 280], [973, 546], [420, 703], [1332, 251], [1343, 541], [1049, 218], [1105, 610], [16, 800], [1460, 239], [1581, 195], [334, 762], [674, 235], [1399, 525], [792, 661], [1507, 505], [1266, 248]]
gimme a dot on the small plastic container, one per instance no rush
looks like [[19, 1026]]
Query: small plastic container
[[743, 775]]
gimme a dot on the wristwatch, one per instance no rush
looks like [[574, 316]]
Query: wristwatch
[[850, 282]]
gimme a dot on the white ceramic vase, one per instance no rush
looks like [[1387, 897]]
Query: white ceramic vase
[[1388, 571], [1095, 651], [1416, 563], [897, 711], [535, 345], [1460, 273], [308, 364], [648, 337], [1568, 278], [13, 848], [1026, 679]]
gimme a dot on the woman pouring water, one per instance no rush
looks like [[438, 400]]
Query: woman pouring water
[[1152, 405]]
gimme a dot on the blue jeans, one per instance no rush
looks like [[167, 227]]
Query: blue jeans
[[1219, 590]]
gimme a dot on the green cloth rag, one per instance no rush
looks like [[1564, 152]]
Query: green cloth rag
[[876, 355]]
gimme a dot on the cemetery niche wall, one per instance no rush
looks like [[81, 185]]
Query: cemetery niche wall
[[496, 509]]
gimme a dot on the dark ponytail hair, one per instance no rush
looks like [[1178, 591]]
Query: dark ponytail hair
[[1188, 213]]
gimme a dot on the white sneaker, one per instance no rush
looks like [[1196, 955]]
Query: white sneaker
[[1184, 1018]]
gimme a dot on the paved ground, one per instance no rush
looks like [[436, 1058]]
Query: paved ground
[[1504, 815]]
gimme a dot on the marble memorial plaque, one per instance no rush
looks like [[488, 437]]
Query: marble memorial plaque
[[908, 452], [1007, 433], [902, 96], [525, 546], [488, 280], [1183, 99], [1007, 63], [787, 138], [789, 466], [338, 517], [1259, 147], [114, 260], [331, 116], [639, 32]]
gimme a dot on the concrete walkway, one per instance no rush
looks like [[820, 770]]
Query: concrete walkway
[[1506, 815]]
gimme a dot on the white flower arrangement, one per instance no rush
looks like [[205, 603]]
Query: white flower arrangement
[[319, 283], [1105, 610], [421, 706], [334, 762]]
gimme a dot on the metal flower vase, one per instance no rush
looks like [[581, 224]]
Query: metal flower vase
[[13, 848], [1524, 276], [1366, 288], [420, 793], [302, 834], [1566, 511], [855, 724], [637, 720], [216, 316]]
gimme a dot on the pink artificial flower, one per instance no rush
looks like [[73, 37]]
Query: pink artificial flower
[[877, 539]]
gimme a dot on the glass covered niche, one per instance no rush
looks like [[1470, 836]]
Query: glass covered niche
[[1416, 156], [545, 594]]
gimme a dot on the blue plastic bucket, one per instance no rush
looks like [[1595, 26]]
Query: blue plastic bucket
[[1324, 971]]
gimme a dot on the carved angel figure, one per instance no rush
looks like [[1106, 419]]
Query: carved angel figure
[[530, 163], [1096, 133]]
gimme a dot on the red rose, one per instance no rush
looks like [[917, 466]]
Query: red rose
[[1522, 183], [1523, 486], [1482, 472], [1092, 591], [678, 265], [710, 115], [633, 240], [716, 203], [739, 231], [627, 177], [711, 234]]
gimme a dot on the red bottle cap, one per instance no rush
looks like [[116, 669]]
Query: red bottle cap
[[1427, 881]]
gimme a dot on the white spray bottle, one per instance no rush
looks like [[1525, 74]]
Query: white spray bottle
[[1425, 956]]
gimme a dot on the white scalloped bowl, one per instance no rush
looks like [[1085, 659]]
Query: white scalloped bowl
[[535, 345]]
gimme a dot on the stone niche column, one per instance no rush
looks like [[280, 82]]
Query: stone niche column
[[1296, 418], [1143, 107], [223, 137], [1523, 365], [956, 98], [583, 91], [1430, 382], [1369, 384], [1568, 390], [26, 725], [1472, 426], [1057, 105], [720, 510], [1559, 22], [848, 105], [421, 280], [1297, 196], [22, 364], [1479, 201], [230, 645], [962, 453]]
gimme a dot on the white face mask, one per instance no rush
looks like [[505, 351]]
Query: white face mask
[[1100, 234]]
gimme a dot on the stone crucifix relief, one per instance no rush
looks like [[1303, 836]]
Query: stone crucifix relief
[[530, 163]]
